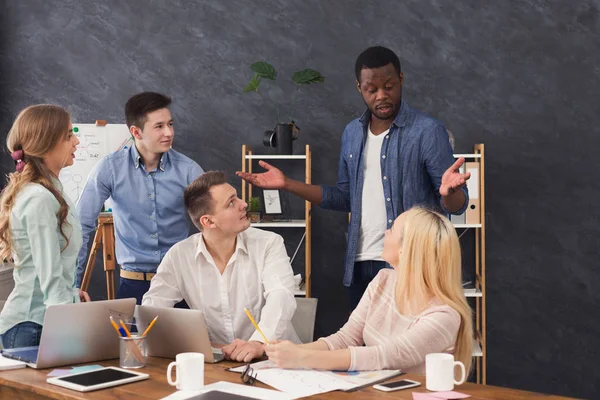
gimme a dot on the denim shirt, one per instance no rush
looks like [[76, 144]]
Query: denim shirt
[[148, 213], [415, 154]]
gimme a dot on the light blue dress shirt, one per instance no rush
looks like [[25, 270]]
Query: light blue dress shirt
[[148, 212]]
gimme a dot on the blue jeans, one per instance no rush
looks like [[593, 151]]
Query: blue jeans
[[24, 334], [364, 272], [137, 289]]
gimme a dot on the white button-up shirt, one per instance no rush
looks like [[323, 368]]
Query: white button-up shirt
[[258, 277]]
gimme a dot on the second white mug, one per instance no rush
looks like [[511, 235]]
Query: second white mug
[[439, 372], [189, 372]]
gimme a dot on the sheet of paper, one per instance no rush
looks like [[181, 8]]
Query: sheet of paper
[[95, 142], [439, 396], [449, 395], [183, 394], [85, 368], [294, 381], [74, 370], [361, 378], [423, 396], [233, 388], [60, 372], [297, 382]]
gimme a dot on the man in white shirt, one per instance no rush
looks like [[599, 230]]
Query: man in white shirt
[[225, 268]]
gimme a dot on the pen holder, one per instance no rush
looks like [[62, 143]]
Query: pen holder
[[134, 351]]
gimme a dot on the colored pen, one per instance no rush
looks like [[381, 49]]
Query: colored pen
[[125, 328], [114, 324], [150, 326], [256, 325]]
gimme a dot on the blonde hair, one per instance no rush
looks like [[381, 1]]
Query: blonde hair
[[36, 131], [430, 265]]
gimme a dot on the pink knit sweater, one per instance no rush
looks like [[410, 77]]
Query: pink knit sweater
[[393, 340]]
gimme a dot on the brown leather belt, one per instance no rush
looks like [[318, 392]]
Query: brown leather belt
[[138, 276]]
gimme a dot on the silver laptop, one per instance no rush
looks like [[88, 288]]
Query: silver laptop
[[76, 333], [176, 330]]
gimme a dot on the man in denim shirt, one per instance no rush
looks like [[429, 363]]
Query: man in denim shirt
[[392, 158], [146, 183]]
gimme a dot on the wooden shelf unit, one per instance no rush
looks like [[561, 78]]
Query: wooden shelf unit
[[247, 159], [479, 296]]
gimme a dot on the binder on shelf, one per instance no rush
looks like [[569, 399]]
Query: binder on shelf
[[473, 213], [459, 219]]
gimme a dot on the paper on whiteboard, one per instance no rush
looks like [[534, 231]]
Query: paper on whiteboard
[[95, 143]]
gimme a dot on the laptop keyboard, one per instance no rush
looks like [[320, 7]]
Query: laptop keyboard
[[28, 355]]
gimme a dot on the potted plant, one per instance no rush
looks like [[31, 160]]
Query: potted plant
[[285, 131], [253, 211]]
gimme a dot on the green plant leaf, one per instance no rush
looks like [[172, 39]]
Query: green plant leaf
[[264, 70], [307, 76], [253, 84], [254, 204]]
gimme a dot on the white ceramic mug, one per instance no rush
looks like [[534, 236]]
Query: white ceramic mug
[[189, 373], [439, 372]]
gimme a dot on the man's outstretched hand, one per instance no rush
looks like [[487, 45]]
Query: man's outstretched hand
[[272, 179], [452, 180]]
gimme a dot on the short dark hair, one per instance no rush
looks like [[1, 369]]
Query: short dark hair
[[138, 107], [196, 196], [376, 57]]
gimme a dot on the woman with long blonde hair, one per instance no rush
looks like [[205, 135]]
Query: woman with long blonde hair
[[406, 313], [40, 234]]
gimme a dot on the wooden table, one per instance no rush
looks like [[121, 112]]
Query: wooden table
[[28, 383]]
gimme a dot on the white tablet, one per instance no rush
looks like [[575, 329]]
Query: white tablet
[[97, 379]]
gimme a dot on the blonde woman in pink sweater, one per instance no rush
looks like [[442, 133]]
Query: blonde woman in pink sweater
[[406, 313]]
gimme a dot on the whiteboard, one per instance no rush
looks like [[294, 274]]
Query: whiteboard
[[95, 143]]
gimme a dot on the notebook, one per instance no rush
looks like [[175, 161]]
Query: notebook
[[7, 363]]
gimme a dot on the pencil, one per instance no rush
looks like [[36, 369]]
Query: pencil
[[150, 326], [114, 324], [256, 325], [125, 328]]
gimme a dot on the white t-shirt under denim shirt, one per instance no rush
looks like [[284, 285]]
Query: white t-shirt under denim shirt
[[44, 275], [373, 217]]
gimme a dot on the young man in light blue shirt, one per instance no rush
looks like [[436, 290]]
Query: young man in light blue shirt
[[146, 184]]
